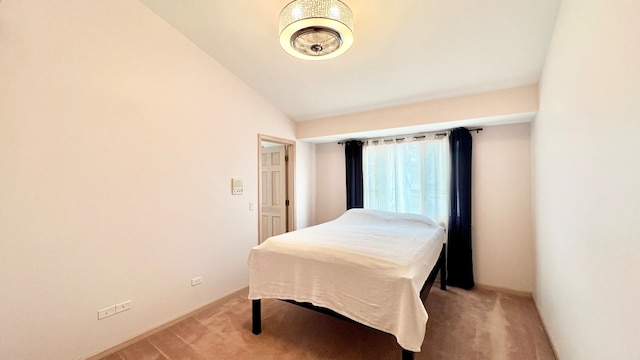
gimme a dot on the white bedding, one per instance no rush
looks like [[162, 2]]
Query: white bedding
[[367, 265]]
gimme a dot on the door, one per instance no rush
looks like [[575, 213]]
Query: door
[[273, 202]]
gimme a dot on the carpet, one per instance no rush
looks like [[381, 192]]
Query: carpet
[[463, 325]]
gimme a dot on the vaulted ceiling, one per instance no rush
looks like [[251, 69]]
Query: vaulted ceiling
[[404, 51]]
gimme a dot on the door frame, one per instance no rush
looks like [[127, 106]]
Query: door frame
[[290, 147]]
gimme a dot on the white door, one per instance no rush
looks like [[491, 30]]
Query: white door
[[274, 191]]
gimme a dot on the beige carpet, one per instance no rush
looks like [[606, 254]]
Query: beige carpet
[[463, 325]]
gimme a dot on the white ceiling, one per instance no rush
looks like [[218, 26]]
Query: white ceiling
[[405, 51]]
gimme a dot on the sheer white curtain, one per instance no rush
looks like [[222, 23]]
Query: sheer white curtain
[[407, 177]]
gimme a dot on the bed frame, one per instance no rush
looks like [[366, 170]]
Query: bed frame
[[441, 266]]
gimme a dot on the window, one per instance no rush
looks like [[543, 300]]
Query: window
[[407, 176]]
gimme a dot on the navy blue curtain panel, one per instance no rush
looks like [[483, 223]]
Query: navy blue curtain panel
[[353, 163], [459, 261]]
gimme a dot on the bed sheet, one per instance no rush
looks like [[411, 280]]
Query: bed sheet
[[367, 265]]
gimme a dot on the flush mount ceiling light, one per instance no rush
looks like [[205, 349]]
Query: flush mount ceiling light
[[316, 29]]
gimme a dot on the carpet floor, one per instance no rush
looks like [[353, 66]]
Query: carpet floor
[[463, 325]]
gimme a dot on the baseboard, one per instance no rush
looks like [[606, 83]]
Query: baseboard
[[505, 290], [164, 326]]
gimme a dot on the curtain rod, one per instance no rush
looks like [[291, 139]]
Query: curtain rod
[[401, 138]]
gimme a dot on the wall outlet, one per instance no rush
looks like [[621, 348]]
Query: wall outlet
[[106, 312], [196, 281], [123, 306], [115, 309]]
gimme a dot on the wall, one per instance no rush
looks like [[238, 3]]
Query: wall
[[494, 107], [331, 184], [586, 178], [305, 193], [118, 140], [502, 230]]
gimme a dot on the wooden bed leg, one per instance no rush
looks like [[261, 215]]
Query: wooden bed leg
[[443, 268], [256, 325], [407, 355]]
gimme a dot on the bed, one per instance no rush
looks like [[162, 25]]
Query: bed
[[369, 266]]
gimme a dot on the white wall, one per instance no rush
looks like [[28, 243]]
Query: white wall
[[586, 176], [118, 140], [503, 253], [493, 107], [502, 231], [331, 183], [305, 194]]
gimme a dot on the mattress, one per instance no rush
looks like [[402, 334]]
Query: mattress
[[367, 265]]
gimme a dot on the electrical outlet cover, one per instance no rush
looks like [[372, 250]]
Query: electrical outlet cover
[[123, 306], [106, 312]]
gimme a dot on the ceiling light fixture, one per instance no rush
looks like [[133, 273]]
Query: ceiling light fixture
[[316, 29]]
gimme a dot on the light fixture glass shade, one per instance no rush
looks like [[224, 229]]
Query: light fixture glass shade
[[316, 29]]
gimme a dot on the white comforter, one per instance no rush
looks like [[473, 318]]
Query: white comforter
[[367, 265]]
